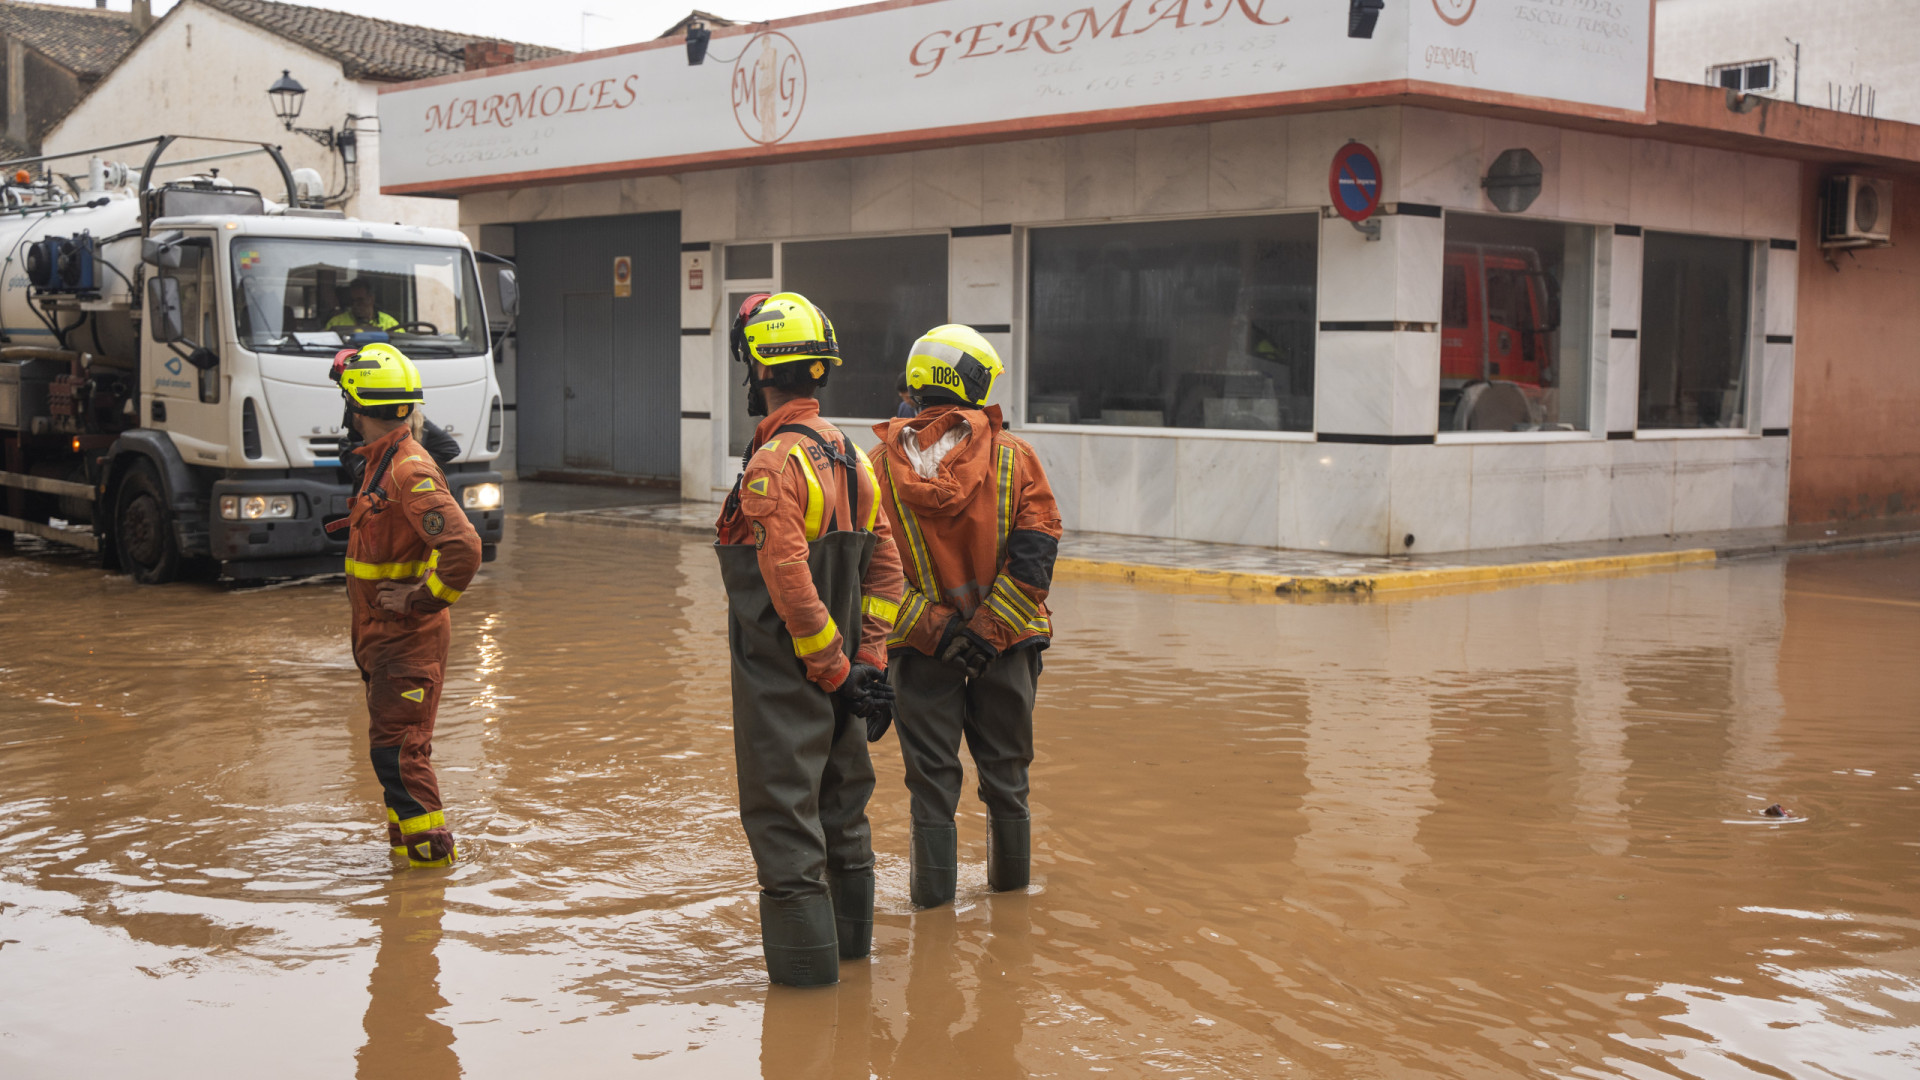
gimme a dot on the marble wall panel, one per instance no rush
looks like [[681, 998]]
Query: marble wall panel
[[1430, 498], [1170, 169], [1504, 135], [882, 193], [1623, 385], [1574, 491], [980, 279], [1760, 493], [697, 357], [1626, 270], [534, 203], [1228, 491], [1772, 205], [649, 194], [1719, 191], [1702, 485], [1023, 181], [1776, 386], [1660, 195], [823, 198], [1128, 485], [1100, 174], [766, 202], [696, 461], [1353, 382], [1596, 173], [1783, 290], [1509, 496], [1355, 272], [1640, 487], [1440, 153], [708, 201], [1340, 498], [698, 306], [947, 187], [483, 206], [1420, 243], [1060, 454], [1247, 166], [1416, 383]]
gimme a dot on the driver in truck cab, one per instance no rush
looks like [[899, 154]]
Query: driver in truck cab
[[410, 554], [362, 313]]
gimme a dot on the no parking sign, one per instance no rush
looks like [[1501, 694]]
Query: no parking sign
[[1354, 182]]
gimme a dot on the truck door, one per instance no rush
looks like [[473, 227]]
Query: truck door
[[184, 396], [1511, 351]]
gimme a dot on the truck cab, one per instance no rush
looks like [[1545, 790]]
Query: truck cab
[[1499, 321]]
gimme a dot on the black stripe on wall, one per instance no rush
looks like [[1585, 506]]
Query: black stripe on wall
[[1784, 245], [1375, 440], [1414, 209], [701, 246], [982, 230], [1626, 335], [1617, 435], [1626, 230], [1774, 432], [993, 328], [1385, 326], [685, 415], [1779, 339], [696, 331]]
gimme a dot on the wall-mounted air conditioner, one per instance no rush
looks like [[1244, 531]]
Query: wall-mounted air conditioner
[[1856, 211]]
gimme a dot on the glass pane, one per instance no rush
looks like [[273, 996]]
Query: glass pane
[[1198, 324], [749, 262], [1693, 332], [1516, 325], [882, 294], [1730, 78], [310, 296], [1759, 76]]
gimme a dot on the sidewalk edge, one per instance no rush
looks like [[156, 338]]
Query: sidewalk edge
[[1441, 577]]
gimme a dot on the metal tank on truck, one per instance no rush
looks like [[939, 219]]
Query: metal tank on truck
[[165, 346]]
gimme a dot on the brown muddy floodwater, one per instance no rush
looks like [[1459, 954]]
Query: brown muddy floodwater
[[1508, 833]]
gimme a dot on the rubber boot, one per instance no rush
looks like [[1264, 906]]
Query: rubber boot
[[426, 841], [852, 912], [1009, 853], [797, 937], [394, 839], [935, 865]]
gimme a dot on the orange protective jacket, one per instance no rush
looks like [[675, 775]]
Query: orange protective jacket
[[980, 537], [790, 494], [405, 527]]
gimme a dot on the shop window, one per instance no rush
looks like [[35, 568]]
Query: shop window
[[1745, 77], [1192, 324], [882, 293], [1516, 324], [749, 262], [1693, 331]]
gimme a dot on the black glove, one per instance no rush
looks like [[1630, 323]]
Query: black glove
[[965, 649], [864, 688], [879, 717]]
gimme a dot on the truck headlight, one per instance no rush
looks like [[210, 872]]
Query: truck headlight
[[481, 497], [255, 507]]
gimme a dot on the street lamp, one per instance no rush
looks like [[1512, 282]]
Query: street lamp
[[288, 95]]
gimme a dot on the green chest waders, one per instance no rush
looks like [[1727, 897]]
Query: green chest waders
[[804, 774]]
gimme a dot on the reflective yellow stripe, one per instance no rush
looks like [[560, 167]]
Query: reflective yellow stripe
[[873, 512], [423, 485], [1007, 615], [879, 607], [1005, 501], [816, 502], [1009, 593], [433, 819], [440, 590], [910, 529], [915, 606], [386, 571], [813, 643]]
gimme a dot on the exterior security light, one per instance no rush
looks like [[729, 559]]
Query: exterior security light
[[288, 95], [1361, 15], [349, 146], [697, 37]]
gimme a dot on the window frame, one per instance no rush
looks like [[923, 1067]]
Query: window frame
[[1753, 356], [1772, 65], [1015, 405]]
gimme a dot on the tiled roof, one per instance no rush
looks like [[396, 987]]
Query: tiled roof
[[367, 48], [85, 41]]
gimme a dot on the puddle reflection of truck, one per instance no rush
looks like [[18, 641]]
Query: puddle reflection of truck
[[164, 389], [1499, 323]]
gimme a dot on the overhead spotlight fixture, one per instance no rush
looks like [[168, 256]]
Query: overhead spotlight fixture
[[1362, 15], [697, 37]]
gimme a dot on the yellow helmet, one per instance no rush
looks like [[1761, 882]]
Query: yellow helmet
[[952, 364], [785, 328], [380, 381]]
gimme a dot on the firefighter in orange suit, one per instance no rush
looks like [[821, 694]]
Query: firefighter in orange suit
[[410, 554], [979, 533], [813, 584]]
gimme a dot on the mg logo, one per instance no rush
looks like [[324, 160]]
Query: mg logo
[[769, 87], [1455, 12]]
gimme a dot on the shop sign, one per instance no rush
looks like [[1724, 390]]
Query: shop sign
[[876, 76]]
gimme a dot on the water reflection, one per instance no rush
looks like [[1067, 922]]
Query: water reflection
[[404, 1036]]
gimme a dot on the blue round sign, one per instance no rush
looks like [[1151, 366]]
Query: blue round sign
[[1354, 182]]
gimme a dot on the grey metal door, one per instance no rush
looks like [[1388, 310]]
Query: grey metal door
[[589, 386]]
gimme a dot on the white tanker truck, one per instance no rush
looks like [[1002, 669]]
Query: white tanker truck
[[164, 356]]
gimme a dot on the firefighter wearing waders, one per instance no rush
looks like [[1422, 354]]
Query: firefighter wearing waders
[[979, 532], [813, 585], [410, 553]]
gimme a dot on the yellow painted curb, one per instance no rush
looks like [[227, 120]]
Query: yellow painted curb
[[1271, 584]]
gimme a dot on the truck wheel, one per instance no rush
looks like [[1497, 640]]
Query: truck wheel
[[143, 528]]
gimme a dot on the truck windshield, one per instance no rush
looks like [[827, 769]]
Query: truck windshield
[[310, 296]]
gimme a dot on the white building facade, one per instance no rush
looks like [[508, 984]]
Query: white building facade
[[1850, 55], [1137, 206]]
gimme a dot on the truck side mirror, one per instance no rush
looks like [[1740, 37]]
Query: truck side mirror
[[162, 251], [165, 321], [509, 294]]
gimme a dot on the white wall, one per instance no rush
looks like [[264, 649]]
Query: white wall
[[200, 72], [1844, 43]]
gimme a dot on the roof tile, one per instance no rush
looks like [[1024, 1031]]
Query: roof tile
[[367, 48]]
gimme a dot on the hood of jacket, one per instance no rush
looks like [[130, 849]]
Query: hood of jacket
[[961, 473]]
